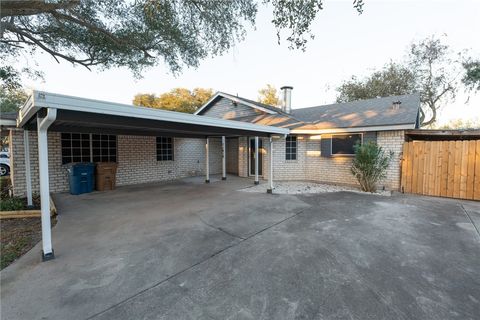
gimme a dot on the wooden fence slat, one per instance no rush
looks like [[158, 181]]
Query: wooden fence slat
[[464, 170], [476, 182], [451, 169], [438, 167], [431, 158], [421, 166], [416, 155], [444, 172], [470, 169], [458, 169]]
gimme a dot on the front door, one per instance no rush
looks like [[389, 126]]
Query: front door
[[252, 156]]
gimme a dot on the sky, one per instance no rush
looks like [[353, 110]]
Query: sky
[[345, 44]]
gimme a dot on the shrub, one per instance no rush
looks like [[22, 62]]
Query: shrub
[[370, 165], [12, 204]]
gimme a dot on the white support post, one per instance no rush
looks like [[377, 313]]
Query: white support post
[[207, 164], [42, 128], [270, 174], [256, 161], [28, 175], [224, 160]]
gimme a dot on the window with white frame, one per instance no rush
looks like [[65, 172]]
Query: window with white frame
[[164, 149], [85, 147], [291, 148], [343, 144]]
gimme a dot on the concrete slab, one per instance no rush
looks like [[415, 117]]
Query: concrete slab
[[187, 250]]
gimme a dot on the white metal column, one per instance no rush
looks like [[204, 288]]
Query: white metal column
[[270, 167], [42, 128], [28, 175], [207, 162], [256, 161], [224, 160]]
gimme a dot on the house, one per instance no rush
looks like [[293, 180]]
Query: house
[[228, 134]]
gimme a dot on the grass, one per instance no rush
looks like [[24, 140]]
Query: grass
[[18, 236]]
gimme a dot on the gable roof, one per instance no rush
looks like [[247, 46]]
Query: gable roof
[[366, 115], [256, 105], [362, 113]]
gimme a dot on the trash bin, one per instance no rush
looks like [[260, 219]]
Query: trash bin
[[81, 178], [106, 176]]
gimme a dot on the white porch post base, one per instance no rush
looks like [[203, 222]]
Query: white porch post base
[[224, 161], [207, 162], [256, 161], [270, 175]]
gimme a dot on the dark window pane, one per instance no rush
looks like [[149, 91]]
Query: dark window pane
[[343, 144], [85, 143], [77, 159], [66, 143], [75, 136], [85, 136], [96, 159], [75, 143], [104, 144], [66, 136], [95, 136]]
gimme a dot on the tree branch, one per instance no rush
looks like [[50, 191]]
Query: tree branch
[[10, 8]]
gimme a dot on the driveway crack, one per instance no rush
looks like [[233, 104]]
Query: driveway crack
[[218, 228], [471, 220]]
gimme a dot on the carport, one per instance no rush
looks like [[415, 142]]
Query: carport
[[45, 112]]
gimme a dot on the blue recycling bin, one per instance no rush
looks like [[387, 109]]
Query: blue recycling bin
[[81, 177]]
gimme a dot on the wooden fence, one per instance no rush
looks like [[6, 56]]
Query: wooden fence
[[442, 168]]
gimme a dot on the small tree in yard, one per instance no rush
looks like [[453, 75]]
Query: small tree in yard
[[370, 165]]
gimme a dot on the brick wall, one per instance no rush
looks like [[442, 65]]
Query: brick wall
[[393, 141], [137, 162]]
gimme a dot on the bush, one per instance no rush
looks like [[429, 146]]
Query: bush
[[5, 186], [370, 165], [12, 204]]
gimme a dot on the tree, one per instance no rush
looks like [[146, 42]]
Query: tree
[[430, 70], [11, 99], [139, 34], [370, 165], [269, 95], [436, 76], [177, 99], [392, 79], [461, 124], [471, 78]]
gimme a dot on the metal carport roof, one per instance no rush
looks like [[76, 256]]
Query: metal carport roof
[[94, 116]]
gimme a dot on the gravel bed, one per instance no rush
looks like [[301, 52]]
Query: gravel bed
[[295, 187]]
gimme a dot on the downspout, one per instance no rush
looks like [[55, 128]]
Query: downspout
[[42, 128]]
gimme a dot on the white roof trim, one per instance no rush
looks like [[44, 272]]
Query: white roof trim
[[7, 123], [236, 99], [41, 99], [355, 129]]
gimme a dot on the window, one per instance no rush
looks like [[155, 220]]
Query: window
[[343, 144], [164, 149], [104, 148], [291, 148], [84, 147]]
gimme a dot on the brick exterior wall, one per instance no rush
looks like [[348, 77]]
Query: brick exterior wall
[[393, 141], [136, 155]]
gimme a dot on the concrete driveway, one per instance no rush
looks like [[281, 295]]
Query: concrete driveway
[[187, 250]]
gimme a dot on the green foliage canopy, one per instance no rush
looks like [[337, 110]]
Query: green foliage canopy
[[269, 95], [178, 99], [142, 33]]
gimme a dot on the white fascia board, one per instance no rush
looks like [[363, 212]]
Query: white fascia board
[[7, 123], [52, 100], [356, 129], [236, 99]]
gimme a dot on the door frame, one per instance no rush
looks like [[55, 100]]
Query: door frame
[[260, 162]]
